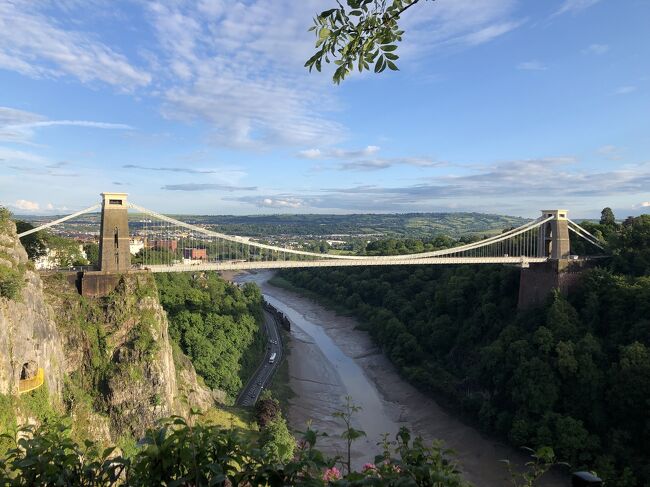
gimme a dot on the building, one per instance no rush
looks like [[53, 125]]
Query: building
[[61, 258], [166, 244], [195, 254], [135, 246]]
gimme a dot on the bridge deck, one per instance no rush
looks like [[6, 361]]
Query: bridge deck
[[252, 265]]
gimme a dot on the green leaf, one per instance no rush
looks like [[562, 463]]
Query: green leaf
[[392, 65], [389, 48], [379, 64]]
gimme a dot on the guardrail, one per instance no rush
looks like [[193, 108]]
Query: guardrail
[[26, 385]]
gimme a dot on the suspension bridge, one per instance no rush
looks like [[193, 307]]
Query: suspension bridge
[[171, 245], [167, 244]]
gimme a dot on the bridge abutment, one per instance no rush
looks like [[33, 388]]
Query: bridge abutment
[[540, 279], [559, 272]]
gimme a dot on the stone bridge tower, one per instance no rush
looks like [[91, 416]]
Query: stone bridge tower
[[554, 236], [560, 272], [114, 253]]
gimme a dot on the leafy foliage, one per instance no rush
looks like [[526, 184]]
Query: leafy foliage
[[34, 243], [362, 35], [215, 324], [92, 253], [542, 460], [11, 281], [266, 410], [350, 434], [181, 454], [11, 272], [575, 374]]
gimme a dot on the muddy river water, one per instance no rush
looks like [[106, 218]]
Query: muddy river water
[[329, 359]]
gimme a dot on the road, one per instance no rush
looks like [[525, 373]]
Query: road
[[262, 376]]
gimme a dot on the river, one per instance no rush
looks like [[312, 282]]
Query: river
[[329, 358]]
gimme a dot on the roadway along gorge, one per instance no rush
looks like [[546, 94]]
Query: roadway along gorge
[[329, 359], [264, 373]]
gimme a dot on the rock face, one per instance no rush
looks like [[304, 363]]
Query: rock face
[[114, 354], [28, 334], [119, 348]]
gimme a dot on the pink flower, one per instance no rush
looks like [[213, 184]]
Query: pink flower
[[331, 474], [369, 466]]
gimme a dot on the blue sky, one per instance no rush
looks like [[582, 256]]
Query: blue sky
[[204, 107]]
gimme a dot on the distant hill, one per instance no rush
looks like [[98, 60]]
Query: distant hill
[[415, 225]]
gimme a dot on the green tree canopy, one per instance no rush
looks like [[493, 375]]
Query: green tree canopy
[[607, 217], [361, 34]]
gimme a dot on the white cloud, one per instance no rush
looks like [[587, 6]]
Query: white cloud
[[310, 153], [511, 184], [386, 162], [456, 23], [365, 159], [20, 157], [365, 152], [13, 116], [625, 90], [33, 45], [238, 66], [18, 125], [610, 152], [575, 6], [597, 49], [241, 70], [532, 66], [26, 205], [339, 153], [489, 33], [645, 204], [281, 202]]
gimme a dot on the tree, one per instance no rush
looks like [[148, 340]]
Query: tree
[[350, 434], [364, 33], [277, 442], [92, 253], [607, 217], [34, 243]]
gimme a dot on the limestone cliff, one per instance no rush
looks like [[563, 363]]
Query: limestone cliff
[[28, 335], [108, 362], [118, 348]]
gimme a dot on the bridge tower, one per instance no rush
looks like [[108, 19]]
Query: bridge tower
[[554, 236], [114, 253], [539, 280]]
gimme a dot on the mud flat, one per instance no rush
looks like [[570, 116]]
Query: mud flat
[[330, 359]]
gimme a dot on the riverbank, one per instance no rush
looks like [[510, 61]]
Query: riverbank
[[319, 389]]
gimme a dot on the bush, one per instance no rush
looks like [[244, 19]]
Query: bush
[[175, 453], [11, 281]]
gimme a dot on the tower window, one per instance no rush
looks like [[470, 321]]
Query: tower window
[[114, 202], [117, 238]]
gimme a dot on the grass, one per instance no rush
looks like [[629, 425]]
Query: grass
[[229, 417]]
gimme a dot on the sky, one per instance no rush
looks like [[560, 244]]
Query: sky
[[204, 106]]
